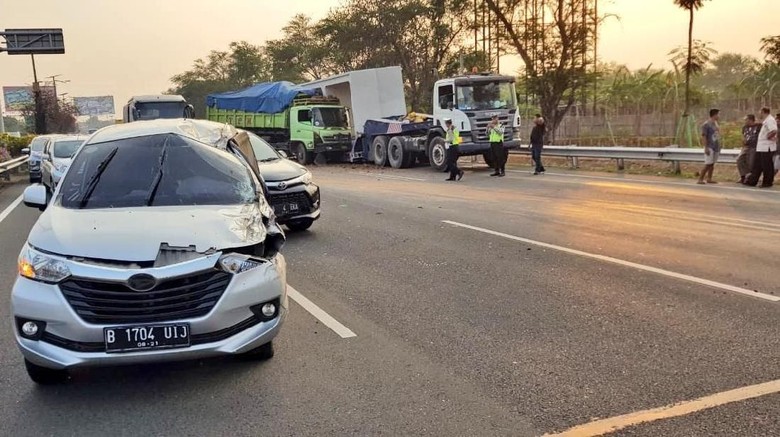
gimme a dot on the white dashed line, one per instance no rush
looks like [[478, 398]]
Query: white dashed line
[[318, 313], [684, 277], [10, 208]]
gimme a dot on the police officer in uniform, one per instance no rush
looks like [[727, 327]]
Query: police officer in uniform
[[452, 140], [495, 133]]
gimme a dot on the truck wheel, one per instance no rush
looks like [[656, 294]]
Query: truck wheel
[[304, 156], [437, 154], [380, 151], [395, 153], [488, 157]]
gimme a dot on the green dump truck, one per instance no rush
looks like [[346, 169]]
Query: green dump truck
[[291, 118]]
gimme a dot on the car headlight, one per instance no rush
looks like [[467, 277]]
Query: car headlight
[[41, 267], [236, 263], [304, 179]]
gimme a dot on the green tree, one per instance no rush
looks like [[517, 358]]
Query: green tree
[[12, 124], [770, 45], [301, 54], [691, 6], [727, 71]]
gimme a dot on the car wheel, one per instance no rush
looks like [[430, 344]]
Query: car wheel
[[380, 151], [300, 225], [488, 157], [44, 375], [304, 156], [437, 154], [395, 153], [262, 353]]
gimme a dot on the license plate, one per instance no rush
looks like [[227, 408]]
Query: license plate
[[146, 337], [286, 208]]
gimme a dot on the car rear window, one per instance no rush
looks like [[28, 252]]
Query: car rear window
[[66, 148], [155, 170]]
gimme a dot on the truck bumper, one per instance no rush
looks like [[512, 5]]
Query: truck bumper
[[471, 148], [332, 147]]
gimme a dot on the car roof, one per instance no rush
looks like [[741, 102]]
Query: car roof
[[207, 132], [59, 138]]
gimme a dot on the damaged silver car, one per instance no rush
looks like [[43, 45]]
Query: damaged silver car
[[157, 245]]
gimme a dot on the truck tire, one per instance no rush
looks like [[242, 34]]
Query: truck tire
[[488, 157], [409, 159], [395, 153], [380, 151], [437, 154], [304, 156]]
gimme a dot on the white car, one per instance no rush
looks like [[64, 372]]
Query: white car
[[57, 156], [157, 245]]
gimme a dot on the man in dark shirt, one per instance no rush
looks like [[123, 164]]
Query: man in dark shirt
[[748, 153], [537, 143]]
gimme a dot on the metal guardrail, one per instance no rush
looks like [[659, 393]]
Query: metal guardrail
[[8, 165], [620, 154]]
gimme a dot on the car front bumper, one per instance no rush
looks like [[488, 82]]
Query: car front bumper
[[230, 327], [307, 197]]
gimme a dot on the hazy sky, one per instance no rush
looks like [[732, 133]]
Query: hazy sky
[[123, 48]]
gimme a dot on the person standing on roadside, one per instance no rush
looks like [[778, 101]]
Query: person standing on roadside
[[495, 133], [765, 151], [451, 142], [537, 143], [777, 152], [748, 153], [710, 132]]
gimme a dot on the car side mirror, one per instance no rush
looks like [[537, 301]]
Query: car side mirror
[[35, 196], [284, 154], [26, 151]]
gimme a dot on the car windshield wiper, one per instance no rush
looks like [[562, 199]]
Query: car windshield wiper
[[269, 159], [158, 177], [94, 179]]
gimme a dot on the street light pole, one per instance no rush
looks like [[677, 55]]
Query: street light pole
[[40, 116]]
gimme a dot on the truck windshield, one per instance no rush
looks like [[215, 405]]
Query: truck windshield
[[483, 96], [330, 117], [155, 110]]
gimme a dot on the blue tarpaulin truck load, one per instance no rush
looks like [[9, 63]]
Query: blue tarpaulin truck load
[[294, 118]]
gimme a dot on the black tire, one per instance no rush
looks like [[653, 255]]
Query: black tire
[[437, 154], [300, 225], [44, 375], [489, 160], [395, 153], [262, 353], [304, 156], [409, 159], [379, 155]]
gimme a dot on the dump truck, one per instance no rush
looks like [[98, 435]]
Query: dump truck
[[152, 107], [292, 118], [386, 135]]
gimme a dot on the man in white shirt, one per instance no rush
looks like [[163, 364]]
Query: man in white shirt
[[765, 150]]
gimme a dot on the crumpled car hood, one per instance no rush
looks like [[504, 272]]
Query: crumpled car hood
[[135, 234]]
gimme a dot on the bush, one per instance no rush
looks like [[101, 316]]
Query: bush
[[16, 144]]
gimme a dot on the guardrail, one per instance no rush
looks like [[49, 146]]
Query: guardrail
[[672, 154], [12, 164]]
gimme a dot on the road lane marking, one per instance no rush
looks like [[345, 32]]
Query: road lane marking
[[621, 262], [319, 314], [387, 176], [6, 212], [604, 426]]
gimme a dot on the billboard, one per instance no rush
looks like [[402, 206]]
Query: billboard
[[19, 98], [99, 105]]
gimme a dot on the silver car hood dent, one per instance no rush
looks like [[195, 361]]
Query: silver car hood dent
[[135, 234]]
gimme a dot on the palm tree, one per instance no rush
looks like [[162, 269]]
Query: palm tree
[[690, 6]]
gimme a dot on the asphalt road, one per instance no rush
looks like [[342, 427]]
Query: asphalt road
[[514, 325]]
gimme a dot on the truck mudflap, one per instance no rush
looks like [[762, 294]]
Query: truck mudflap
[[472, 148]]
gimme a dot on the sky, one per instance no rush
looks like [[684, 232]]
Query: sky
[[124, 48]]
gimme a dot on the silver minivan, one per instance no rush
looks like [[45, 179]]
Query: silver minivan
[[158, 244]]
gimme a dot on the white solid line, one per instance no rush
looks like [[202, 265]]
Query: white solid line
[[604, 426], [10, 208], [621, 262], [321, 315]]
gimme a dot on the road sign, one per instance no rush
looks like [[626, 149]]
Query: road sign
[[101, 105], [33, 41]]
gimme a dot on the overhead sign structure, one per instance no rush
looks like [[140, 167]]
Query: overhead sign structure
[[19, 98], [99, 105], [33, 41]]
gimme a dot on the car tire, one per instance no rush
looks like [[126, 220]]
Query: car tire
[[488, 157], [44, 375], [300, 225], [304, 156], [437, 154], [380, 151], [395, 153], [262, 353]]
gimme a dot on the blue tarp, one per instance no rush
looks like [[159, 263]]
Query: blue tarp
[[268, 97]]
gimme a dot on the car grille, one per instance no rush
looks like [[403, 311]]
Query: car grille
[[173, 299], [300, 198]]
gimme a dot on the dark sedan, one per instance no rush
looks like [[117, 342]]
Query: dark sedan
[[291, 193]]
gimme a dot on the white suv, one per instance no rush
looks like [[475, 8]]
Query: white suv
[[158, 244]]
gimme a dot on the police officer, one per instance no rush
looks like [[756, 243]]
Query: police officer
[[495, 133], [451, 142]]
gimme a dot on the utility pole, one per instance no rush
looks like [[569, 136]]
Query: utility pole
[[54, 83], [40, 114]]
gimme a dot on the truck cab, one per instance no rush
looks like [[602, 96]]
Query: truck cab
[[471, 101], [152, 107], [318, 125]]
